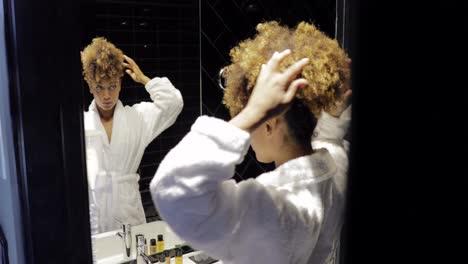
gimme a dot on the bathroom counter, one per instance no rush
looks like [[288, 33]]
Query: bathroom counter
[[109, 247]]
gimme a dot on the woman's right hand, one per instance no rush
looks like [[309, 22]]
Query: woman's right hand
[[273, 92], [134, 71], [341, 104]]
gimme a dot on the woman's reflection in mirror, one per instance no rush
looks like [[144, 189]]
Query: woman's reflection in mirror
[[117, 134]]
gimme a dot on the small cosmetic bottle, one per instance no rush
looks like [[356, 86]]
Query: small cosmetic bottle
[[167, 255], [153, 248], [160, 243], [146, 248], [178, 256]]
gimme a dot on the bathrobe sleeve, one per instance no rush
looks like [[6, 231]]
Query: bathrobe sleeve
[[163, 111], [235, 222], [331, 128], [329, 134]]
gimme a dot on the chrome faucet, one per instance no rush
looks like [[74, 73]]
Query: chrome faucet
[[141, 250], [126, 236]]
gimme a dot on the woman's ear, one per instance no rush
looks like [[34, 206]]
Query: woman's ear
[[271, 125], [268, 128]]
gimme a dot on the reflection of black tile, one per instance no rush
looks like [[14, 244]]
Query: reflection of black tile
[[191, 114], [191, 75], [192, 90], [168, 52], [150, 157], [102, 21], [145, 50], [169, 143], [144, 24], [174, 130], [145, 194], [211, 89], [147, 172], [114, 22], [144, 10], [127, 81], [153, 146], [166, 25], [211, 24], [135, 94], [119, 37], [116, 9], [188, 36], [212, 57], [224, 43], [169, 37], [144, 37]]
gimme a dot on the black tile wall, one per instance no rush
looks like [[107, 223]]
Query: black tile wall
[[163, 38], [226, 22]]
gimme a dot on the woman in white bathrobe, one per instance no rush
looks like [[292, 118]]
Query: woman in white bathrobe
[[117, 135], [293, 214]]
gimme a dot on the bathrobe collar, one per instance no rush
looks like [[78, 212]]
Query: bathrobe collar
[[93, 107], [317, 167], [117, 116]]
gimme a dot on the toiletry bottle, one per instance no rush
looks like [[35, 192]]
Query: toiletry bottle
[[153, 248], [146, 248], [167, 255], [160, 243], [178, 256]]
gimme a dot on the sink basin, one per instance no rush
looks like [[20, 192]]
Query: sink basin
[[109, 248]]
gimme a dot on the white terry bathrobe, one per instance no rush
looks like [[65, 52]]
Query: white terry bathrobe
[[293, 214], [112, 178]]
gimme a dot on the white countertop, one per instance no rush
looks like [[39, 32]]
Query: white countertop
[[109, 247]]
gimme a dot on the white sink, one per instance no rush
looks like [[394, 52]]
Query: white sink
[[109, 247]]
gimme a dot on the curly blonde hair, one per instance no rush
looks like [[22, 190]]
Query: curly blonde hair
[[328, 72], [101, 60]]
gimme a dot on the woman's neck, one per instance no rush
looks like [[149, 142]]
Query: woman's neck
[[292, 152], [106, 115]]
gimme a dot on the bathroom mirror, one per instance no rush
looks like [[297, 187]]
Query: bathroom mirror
[[188, 42], [162, 37]]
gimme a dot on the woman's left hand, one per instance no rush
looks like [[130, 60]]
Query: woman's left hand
[[273, 92], [134, 71]]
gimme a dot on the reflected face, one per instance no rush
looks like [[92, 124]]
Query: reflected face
[[106, 93], [261, 144]]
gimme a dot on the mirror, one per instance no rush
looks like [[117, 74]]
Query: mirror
[[132, 122], [163, 38]]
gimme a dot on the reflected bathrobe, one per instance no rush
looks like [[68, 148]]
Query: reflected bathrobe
[[112, 178], [293, 214]]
